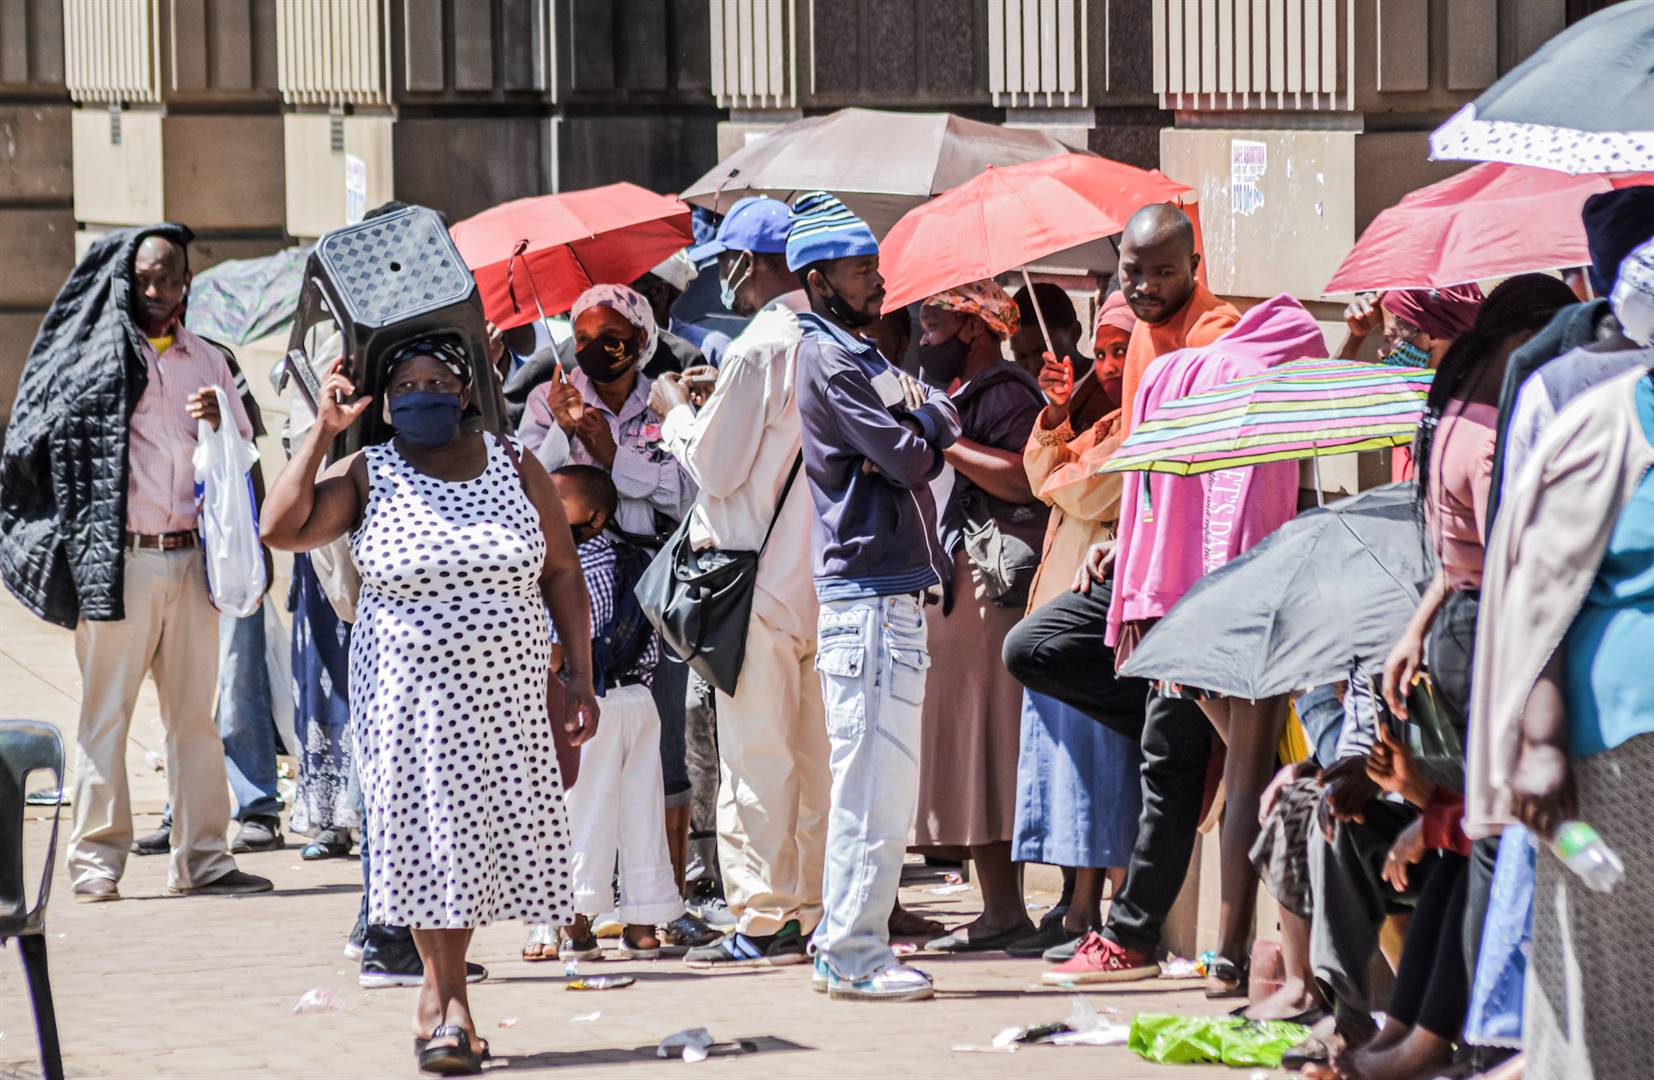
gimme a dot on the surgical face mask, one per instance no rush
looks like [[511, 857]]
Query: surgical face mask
[[1407, 354], [606, 358], [739, 272], [944, 362], [425, 418]]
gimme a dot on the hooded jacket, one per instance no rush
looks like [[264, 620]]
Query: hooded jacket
[[63, 469], [1187, 526]]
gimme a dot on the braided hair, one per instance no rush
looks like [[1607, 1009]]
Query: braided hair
[[1524, 303]]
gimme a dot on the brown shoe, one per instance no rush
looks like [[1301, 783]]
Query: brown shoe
[[96, 891], [235, 883]]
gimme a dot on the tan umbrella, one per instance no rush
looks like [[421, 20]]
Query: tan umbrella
[[880, 164]]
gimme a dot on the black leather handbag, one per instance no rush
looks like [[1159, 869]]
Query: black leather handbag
[[701, 601]]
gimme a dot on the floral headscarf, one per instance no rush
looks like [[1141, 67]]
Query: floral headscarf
[[984, 299], [630, 305]]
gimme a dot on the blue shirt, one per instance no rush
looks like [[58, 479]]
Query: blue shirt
[[1609, 680], [875, 531]]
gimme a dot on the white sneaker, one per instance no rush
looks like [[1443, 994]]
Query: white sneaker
[[713, 912], [898, 982]]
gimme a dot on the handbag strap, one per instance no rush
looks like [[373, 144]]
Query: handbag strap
[[786, 489]]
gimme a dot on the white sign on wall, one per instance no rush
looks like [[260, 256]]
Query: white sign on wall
[[356, 189]]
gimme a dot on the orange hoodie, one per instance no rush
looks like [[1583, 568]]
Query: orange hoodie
[[1203, 320]]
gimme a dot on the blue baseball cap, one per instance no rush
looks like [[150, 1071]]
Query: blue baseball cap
[[755, 223]]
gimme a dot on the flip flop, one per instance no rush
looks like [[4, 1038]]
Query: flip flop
[[1225, 970]]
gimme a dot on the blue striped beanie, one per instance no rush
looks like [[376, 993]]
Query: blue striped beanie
[[824, 228]]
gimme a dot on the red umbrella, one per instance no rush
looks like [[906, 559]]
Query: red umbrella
[[1490, 221], [1005, 218], [536, 256]]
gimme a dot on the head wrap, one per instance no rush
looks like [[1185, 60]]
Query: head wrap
[[1633, 295], [984, 299], [676, 270], [1616, 222], [824, 228], [1116, 314], [1443, 314], [630, 305], [439, 347]]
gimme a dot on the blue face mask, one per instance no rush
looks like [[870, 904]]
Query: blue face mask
[[426, 418], [1407, 355]]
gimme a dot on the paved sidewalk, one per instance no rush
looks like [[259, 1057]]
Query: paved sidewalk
[[163, 986]]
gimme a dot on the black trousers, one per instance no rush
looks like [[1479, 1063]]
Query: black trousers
[[1432, 990], [1059, 651]]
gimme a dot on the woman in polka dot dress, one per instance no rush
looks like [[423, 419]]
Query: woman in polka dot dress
[[460, 555]]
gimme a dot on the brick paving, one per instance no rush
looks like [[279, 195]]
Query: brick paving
[[204, 986]]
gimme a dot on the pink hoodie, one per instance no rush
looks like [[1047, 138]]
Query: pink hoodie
[[1188, 526]]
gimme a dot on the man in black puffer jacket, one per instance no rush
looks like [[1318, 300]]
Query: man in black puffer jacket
[[98, 532]]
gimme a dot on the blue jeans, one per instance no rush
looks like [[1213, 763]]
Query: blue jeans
[[246, 719], [872, 659]]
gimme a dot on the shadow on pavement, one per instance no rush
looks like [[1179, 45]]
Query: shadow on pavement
[[642, 1055]]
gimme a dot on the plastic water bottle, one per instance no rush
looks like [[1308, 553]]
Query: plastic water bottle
[[1582, 849]]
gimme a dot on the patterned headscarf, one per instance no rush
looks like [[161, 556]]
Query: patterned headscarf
[[630, 305], [439, 347], [984, 299]]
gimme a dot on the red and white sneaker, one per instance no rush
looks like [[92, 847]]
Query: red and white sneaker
[[1099, 960]]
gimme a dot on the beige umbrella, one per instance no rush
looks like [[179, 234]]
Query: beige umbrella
[[880, 164]]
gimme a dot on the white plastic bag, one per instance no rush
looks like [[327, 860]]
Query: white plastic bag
[[229, 520]]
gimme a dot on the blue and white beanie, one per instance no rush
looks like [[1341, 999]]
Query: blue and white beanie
[[824, 228]]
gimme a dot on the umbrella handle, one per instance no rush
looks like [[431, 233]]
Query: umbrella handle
[[1038, 314], [511, 275]]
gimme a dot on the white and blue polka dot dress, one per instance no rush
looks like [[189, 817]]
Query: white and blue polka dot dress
[[448, 666]]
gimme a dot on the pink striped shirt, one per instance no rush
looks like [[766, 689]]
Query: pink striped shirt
[[160, 486]]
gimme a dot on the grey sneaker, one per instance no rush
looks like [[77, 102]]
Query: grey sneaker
[[235, 883], [158, 842], [258, 834]]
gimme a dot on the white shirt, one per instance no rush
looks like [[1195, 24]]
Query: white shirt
[[739, 448], [1550, 388], [645, 475]]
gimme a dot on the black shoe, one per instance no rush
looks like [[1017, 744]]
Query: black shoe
[[396, 967], [1049, 934], [1055, 915], [235, 883], [259, 834], [783, 948], [158, 842], [959, 941], [1063, 953]]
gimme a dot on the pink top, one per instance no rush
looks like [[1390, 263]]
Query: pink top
[[1185, 527], [1461, 474], [160, 485]]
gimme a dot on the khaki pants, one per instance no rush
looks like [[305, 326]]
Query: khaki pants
[[170, 631], [772, 802]]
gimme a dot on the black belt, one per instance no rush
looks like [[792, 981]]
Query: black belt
[[172, 541]]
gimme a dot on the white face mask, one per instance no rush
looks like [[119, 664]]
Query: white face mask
[[727, 286], [1633, 296]]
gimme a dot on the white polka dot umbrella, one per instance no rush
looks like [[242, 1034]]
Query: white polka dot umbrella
[[1583, 103]]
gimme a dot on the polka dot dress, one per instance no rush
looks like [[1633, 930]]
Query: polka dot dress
[[448, 666]]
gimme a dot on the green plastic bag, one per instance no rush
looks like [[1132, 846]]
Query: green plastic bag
[[1231, 1040]]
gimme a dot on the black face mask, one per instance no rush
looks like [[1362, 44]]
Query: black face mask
[[943, 363], [843, 312], [606, 358], [584, 530]]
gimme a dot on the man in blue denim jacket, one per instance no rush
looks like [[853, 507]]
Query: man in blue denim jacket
[[873, 440]]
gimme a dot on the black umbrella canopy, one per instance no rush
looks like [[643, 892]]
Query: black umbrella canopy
[[1330, 590], [1598, 75]]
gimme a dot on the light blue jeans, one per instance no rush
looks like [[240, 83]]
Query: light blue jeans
[[246, 719], [872, 659]]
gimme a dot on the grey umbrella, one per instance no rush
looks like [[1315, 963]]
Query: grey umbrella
[[1330, 590]]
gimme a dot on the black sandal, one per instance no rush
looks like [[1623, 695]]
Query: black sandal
[[460, 1059], [1225, 970], [420, 1044]]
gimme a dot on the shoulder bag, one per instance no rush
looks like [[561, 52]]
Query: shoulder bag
[[701, 601]]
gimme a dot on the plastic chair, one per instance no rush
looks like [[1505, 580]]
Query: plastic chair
[[27, 746]]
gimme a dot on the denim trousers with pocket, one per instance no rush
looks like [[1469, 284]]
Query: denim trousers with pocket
[[872, 660]]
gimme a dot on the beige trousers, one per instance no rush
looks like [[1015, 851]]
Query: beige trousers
[[171, 632], [772, 799]]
